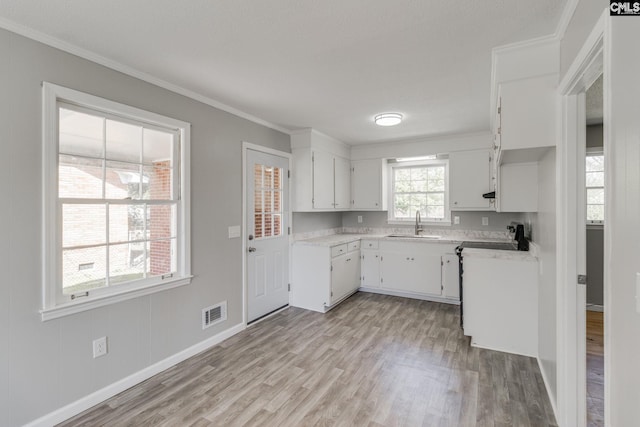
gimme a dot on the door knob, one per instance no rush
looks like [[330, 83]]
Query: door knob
[[252, 249]]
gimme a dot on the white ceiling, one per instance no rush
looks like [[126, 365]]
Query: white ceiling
[[331, 64]]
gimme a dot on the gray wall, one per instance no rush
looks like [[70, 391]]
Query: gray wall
[[304, 222], [595, 265], [468, 220], [595, 237], [544, 234], [595, 136], [44, 366], [584, 18]]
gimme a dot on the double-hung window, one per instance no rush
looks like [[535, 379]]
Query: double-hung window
[[419, 186], [116, 202], [595, 187]]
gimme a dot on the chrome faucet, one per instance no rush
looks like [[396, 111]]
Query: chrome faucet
[[418, 226]]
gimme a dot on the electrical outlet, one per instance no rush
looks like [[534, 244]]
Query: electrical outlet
[[100, 347], [485, 220], [359, 219], [456, 220]]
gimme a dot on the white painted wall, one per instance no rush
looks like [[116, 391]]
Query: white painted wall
[[544, 234], [44, 366], [622, 262]]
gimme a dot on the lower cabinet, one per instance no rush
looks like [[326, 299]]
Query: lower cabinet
[[413, 269], [501, 303], [345, 275], [370, 267], [322, 276]]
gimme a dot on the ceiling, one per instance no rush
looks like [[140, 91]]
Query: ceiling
[[331, 64]]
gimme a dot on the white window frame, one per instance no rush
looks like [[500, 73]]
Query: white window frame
[[391, 219], [52, 307], [591, 152]]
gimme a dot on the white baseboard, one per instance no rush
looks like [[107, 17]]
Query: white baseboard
[[595, 307], [80, 405], [409, 295], [552, 397]]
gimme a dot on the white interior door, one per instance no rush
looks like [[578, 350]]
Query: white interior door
[[267, 233]]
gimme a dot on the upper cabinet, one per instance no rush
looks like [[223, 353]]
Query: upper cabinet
[[525, 118], [368, 185], [469, 178], [321, 173]]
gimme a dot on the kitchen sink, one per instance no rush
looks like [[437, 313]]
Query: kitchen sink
[[415, 236]]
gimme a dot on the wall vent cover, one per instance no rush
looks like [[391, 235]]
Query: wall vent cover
[[214, 314]]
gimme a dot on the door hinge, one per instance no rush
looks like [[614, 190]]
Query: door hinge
[[381, 280], [288, 174], [499, 131], [499, 110], [289, 287], [582, 279], [289, 231], [331, 268], [380, 257]]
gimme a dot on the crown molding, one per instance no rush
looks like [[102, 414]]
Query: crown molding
[[56, 43]]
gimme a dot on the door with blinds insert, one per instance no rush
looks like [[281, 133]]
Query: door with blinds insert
[[267, 233]]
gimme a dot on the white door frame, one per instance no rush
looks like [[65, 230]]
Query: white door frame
[[571, 352], [249, 146]]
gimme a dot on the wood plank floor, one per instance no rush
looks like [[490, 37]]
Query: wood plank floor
[[595, 369], [375, 360]]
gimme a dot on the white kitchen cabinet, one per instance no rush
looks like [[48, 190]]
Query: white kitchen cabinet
[[370, 264], [321, 173], [368, 185], [501, 303], [527, 114], [323, 180], [342, 183], [414, 269], [470, 178], [345, 275], [451, 276], [322, 276], [518, 187]]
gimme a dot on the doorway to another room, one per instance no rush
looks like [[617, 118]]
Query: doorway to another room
[[595, 223]]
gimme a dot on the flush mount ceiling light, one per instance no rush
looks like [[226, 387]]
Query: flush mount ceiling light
[[388, 119]]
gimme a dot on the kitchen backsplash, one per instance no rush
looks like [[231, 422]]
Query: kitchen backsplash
[[468, 221], [307, 225]]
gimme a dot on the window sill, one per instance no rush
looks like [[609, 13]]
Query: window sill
[[445, 223], [89, 304]]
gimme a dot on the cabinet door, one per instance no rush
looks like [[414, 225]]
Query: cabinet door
[[469, 179], [450, 276], [322, 180], [519, 187], [416, 273], [342, 183], [528, 113], [345, 275], [366, 184], [370, 269]]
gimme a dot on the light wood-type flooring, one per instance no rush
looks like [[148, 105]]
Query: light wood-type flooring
[[595, 369], [375, 360]]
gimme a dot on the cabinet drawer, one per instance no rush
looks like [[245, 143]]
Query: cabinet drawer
[[338, 250], [354, 246], [369, 244]]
